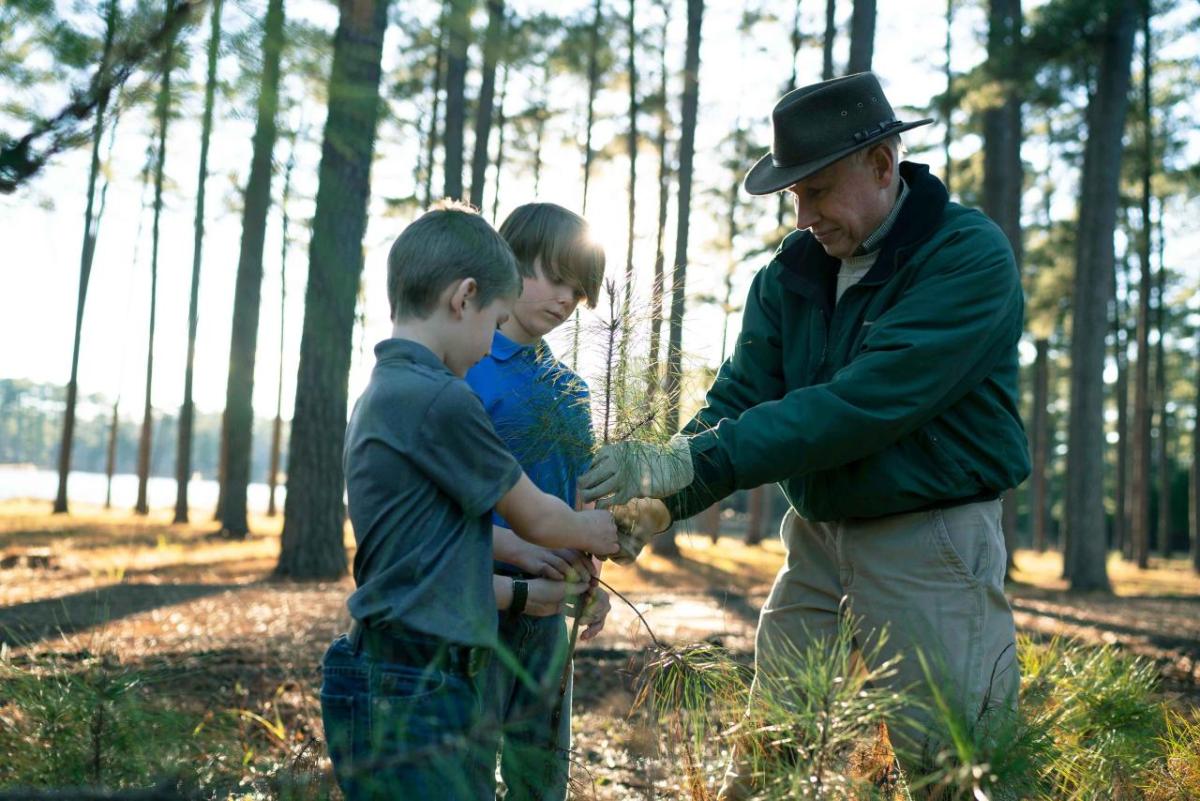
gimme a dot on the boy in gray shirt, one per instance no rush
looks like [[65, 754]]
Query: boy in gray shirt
[[424, 469]]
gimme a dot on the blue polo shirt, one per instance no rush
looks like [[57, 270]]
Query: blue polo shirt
[[539, 408]]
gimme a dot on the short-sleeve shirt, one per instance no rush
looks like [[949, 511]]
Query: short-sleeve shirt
[[424, 468], [539, 408]]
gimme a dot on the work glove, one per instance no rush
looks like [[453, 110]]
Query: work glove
[[627, 470], [638, 522]]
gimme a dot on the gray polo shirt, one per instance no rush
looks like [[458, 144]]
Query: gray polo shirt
[[423, 470]]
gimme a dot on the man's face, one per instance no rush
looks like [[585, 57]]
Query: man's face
[[842, 204]]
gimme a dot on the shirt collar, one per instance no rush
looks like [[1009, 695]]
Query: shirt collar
[[872, 242], [396, 349], [504, 348]]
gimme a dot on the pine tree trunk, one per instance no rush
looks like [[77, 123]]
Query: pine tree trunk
[[1164, 417], [665, 543], [862, 36], [1093, 272], [164, 116], [110, 461], [1121, 483], [542, 112], [435, 88], [314, 517], [1194, 517], [456, 105], [247, 299], [501, 122], [1003, 175], [654, 368], [183, 448], [1038, 507], [632, 148], [593, 77], [285, 242], [85, 269], [485, 107], [948, 108], [757, 503], [830, 35], [784, 203]]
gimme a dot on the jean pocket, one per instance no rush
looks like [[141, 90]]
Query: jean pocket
[[412, 708], [344, 735]]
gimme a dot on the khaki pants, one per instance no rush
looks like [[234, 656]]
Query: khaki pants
[[934, 579]]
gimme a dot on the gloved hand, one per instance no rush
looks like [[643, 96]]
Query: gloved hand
[[632, 469], [638, 522]]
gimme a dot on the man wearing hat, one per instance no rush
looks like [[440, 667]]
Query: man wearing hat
[[875, 380]]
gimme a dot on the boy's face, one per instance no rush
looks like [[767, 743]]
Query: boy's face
[[544, 304], [472, 339]]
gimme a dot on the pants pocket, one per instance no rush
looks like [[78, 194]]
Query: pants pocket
[[959, 534]]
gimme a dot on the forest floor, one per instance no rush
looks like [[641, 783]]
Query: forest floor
[[204, 616]]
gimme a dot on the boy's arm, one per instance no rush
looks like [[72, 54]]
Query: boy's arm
[[545, 520], [545, 597]]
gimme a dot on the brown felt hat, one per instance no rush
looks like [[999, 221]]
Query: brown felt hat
[[816, 125]]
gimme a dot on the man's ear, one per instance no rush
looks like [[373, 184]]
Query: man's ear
[[883, 164], [463, 293]]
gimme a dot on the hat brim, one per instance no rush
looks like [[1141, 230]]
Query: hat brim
[[765, 178]]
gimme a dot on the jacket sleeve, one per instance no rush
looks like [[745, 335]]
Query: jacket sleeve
[[753, 373], [941, 338]]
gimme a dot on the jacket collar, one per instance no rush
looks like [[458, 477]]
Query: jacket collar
[[809, 271]]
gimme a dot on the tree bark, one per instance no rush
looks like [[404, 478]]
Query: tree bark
[[456, 105], [435, 88], [830, 35], [1164, 416], [1003, 172], [110, 461], [1093, 271], [757, 508], [687, 146], [862, 36], [501, 122], [1195, 483], [653, 369], [164, 117], [90, 225], [247, 299], [631, 145], [1121, 483], [1038, 508], [1142, 408], [314, 516], [593, 78], [285, 242], [784, 204], [485, 108], [948, 105], [183, 448]]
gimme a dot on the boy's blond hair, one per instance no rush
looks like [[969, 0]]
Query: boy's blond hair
[[562, 239]]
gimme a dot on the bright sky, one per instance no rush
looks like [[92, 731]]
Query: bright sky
[[41, 225]]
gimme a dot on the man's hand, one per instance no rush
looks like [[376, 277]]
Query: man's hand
[[546, 596], [637, 523], [629, 470]]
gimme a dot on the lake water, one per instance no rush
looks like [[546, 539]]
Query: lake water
[[22, 482]]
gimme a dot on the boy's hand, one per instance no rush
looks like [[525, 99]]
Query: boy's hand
[[637, 523], [599, 532], [596, 606], [557, 564], [580, 566], [546, 596], [633, 469]]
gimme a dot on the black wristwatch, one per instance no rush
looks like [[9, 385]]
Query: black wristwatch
[[520, 593]]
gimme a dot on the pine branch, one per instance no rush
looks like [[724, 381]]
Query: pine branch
[[21, 159]]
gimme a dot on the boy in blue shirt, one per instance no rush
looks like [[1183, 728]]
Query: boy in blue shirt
[[400, 696], [539, 408]]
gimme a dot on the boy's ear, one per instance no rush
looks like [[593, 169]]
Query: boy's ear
[[461, 294]]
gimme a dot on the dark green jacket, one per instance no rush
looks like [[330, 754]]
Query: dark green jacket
[[901, 397]]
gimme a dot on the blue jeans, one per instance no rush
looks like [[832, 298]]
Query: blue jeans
[[397, 731], [534, 763]]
